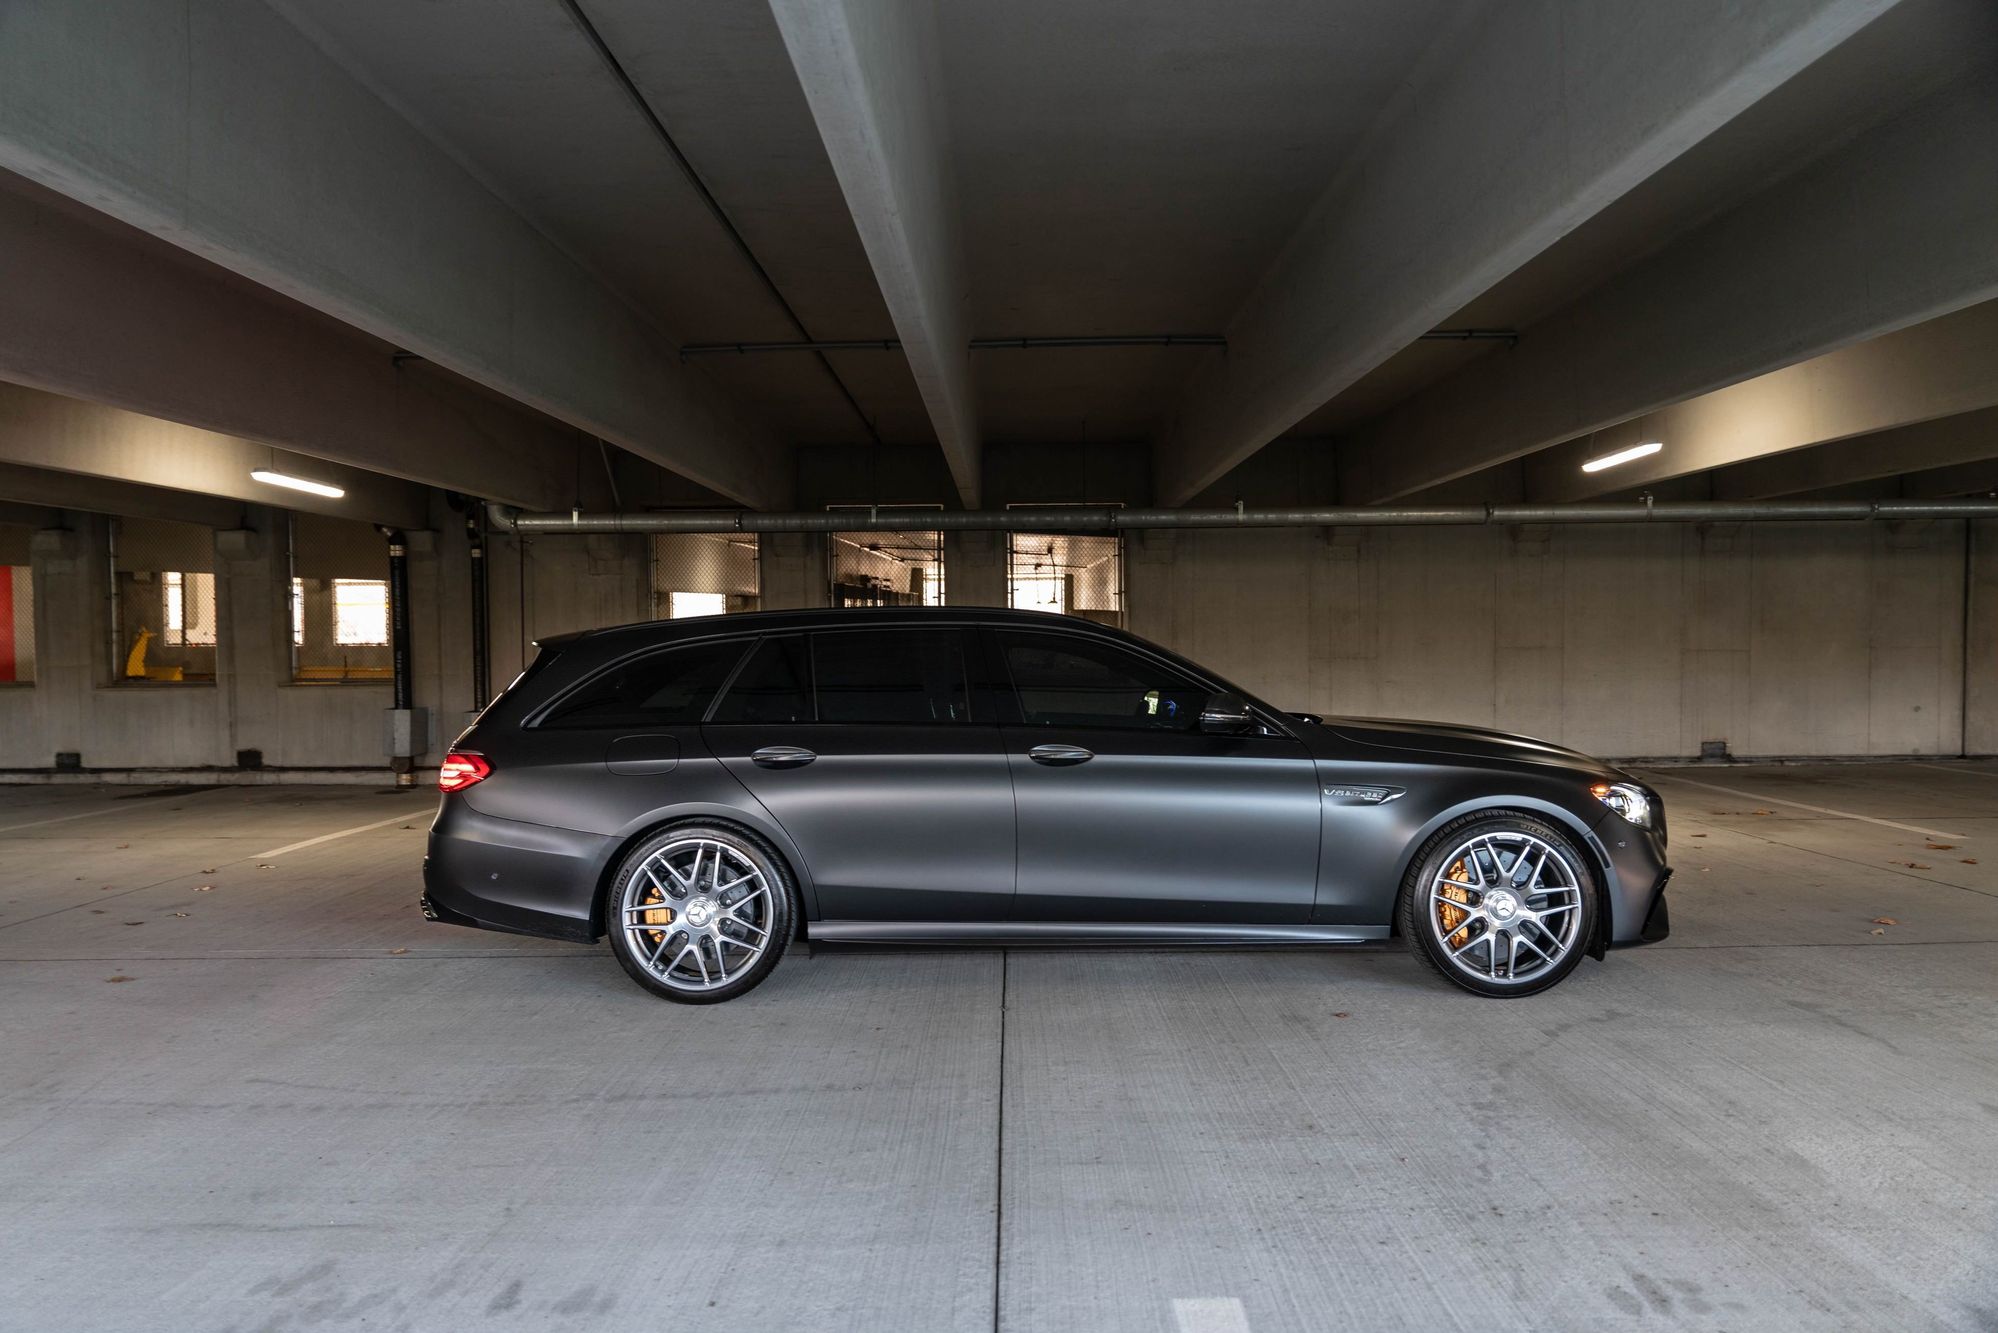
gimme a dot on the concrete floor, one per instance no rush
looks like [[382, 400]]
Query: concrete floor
[[284, 1101]]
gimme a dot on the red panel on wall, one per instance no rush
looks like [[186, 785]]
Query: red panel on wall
[[7, 650]]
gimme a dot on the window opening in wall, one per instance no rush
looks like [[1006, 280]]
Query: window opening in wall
[[1067, 573], [704, 574], [339, 602], [164, 613], [17, 608], [874, 568]]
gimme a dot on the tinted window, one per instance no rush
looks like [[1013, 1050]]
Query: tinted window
[[1067, 681], [662, 690], [771, 686], [890, 675]]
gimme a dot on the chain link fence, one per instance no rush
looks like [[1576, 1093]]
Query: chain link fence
[[164, 623], [704, 574], [339, 602], [17, 607], [1067, 573], [885, 568]]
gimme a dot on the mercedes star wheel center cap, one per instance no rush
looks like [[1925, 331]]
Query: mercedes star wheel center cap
[[1502, 906], [700, 912]]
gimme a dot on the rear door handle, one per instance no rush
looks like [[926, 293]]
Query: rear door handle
[[1060, 756], [782, 756]]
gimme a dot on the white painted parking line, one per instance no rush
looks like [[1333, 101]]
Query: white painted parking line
[[1816, 809], [1210, 1314], [1965, 772], [63, 819], [345, 832]]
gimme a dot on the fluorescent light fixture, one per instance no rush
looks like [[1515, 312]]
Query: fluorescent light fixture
[[270, 478], [1622, 456]]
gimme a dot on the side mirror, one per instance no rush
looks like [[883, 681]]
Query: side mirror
[[1227, 714]]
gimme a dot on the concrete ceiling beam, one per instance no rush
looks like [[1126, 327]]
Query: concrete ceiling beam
[[1533, 118], [1763, 431], [92, 309], [110, 445], [222, 128], [1815, 263], [870, 73], [1945, 443]]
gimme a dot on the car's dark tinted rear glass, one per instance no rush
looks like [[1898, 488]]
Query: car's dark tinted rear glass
[[773, 686], [1067, 680], [670, 688], [890, 675]]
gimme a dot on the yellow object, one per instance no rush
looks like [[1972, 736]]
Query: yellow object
[[135, 662]]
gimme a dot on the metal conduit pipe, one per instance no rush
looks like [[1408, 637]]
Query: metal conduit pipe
[[1111, 519]]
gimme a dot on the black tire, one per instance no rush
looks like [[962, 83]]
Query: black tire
[[1425, 931], [780, 922]]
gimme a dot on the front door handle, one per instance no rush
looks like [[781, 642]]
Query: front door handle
[[1060, 756], [782, 756]]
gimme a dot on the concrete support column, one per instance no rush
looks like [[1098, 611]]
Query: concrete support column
[[1980, 648], [253, 662], [975, 568], [794, 570], [67, 654]]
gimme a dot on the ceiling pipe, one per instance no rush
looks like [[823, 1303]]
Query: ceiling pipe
[[823, 345], [1083, 518]]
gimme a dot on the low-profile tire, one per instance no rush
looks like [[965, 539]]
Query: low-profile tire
[[699, 913], [1500, 903]]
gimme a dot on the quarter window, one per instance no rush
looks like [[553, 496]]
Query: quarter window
[[773, 686], [666, 689], [889, 676], [1066, 681]]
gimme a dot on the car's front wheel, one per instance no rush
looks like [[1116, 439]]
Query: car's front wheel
[[1501, 904], [699, 913]]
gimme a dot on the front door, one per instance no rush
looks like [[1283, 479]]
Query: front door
[[861, 743], [1128, 812]]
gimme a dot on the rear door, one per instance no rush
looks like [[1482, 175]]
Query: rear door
[[862, 743], [1128, 812]]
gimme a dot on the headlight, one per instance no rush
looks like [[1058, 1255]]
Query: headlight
[[1627, 800]]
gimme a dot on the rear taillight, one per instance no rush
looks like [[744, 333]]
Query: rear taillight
[[459, 771]]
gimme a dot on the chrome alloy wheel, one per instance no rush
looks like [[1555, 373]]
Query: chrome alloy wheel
[[1506, 907], [697, 913]]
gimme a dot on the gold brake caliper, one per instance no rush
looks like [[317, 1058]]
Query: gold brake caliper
[[661, 916], [1454, 917]]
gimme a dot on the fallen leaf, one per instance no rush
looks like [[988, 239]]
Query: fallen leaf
[[1699, 835], [204, 888], [1342, 1015], [135, 923], [1885, 921], [1915, 865], [1764, 812], [1941, 846], [209, 870], [97, 911], [265, 865], [1970, 860], [398, 951], [120, 977], [176, 914], [408, 826], [1876, 931], [123, 845]]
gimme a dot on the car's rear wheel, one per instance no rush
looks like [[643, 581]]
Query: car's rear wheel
[[1500, 904], [700, 913]]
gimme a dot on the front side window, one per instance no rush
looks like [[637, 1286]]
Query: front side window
[[773, 686], [1066, 681], [890, 676], [667, 689]]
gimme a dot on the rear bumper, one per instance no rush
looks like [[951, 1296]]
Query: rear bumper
[[502, 874]]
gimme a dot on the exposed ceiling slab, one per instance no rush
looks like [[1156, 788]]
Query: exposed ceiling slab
[[227, 131], [1807, 266], [870, 71], [45, 430], [1935, 369], [42, 491], [1533, 118]]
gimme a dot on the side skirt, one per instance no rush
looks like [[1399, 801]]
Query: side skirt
[[1082, 932]]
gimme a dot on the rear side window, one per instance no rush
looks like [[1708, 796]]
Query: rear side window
[[773, 686], [667, 689], [890, 676]]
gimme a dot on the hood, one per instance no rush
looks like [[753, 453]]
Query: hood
[[1467, 742]]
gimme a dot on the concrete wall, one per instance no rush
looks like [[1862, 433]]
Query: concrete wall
[[1627, 641]]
